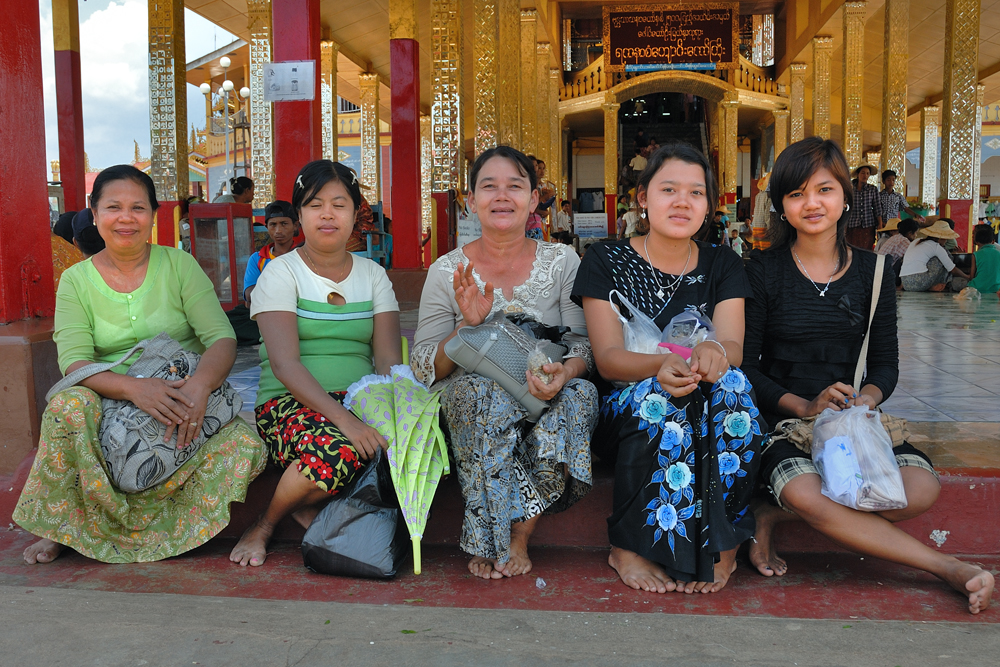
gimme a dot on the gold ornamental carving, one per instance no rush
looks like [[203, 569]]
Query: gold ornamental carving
[[371, 149], [529, 82], [822, 57], [261, 118], [958, 118], [168, 100], [853, 83], [929, 119], [780, 130], [484, 74], [895, 56], [543, 110], [729, 120], [328, 97], [508, 88], [426, 207], [797, 104], [448, 100], [977, 155], [610, 145]]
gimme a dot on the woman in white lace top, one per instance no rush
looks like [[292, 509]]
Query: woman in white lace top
[[511, 471]]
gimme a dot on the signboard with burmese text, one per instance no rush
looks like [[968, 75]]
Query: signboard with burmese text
[[649, 38]]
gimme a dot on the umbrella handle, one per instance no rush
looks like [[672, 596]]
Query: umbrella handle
[[416, 555]]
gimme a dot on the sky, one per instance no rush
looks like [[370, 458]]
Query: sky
[[114, 77]]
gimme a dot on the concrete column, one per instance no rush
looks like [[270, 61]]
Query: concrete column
[[929, 118], [328, 50], [780, 130], [404, 59], [371, 148], [298, 127], [853, 84], [822, 56], [610, 159], [447, 136], [529, 82], [485, 49], [958, 118], [167, 103], [895, 56], [69, 101], [797, 104], [261, 111]]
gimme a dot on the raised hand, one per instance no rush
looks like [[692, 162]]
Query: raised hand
[[474, 305]]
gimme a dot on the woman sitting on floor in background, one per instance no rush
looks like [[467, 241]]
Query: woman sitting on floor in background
[[125, 293], [510, 470], [927, 266], [894, 247], [685, 432], [805, 327], [986, 261], [325, 316]]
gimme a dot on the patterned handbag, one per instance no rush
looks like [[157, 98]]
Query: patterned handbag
[[132, 443]]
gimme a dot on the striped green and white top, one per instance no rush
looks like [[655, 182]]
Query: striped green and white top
[[335, 342]]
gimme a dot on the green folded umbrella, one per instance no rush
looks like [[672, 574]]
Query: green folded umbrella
[[406, 414]]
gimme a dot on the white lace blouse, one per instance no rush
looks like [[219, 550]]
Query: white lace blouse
[[544, 296]]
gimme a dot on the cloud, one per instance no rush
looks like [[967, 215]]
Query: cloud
[[114, 74]]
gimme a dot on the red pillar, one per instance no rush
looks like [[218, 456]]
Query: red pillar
[[404, 57], [960, 210], [298, 136], [69, 102], [26, 287]]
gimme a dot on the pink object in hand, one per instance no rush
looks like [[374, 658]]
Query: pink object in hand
[[684, 352]]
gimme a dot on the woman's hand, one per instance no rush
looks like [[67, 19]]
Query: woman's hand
[[546, 392], [865, 400], [837, 396], [475, 305], [676, 376], [364, 438], [161, 399], [197, 394], [708, 361]]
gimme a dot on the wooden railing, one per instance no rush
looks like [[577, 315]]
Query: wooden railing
[[594, 79]]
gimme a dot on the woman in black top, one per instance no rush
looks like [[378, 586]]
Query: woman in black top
[[804, 329], [686, 434]]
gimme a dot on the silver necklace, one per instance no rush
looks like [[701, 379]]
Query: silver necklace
[[822, 292], [672, 287]]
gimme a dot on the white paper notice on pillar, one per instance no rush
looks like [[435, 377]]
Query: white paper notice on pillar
[[290, 81]]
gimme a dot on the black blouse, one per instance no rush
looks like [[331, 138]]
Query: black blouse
[[800, 343]]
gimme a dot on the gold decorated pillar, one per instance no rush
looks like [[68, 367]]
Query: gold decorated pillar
[[261, 123], [729, 117], [485, 45], [448, 101], [168, 100], [371, 149], [426, 167], [555, 134], [929, 118], [543, 110], [853, 84], [780, 130], [610, 145], [894, 65], [959, 113], [822, 57], [797, 103], [977, 157], [529, 82], [328, 50], [508, 90]]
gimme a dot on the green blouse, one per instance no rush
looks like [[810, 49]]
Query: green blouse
[[95, 323]]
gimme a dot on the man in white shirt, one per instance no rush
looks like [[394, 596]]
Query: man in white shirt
[[562, 225], [638, 163]]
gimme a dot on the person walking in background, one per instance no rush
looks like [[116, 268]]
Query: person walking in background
[[866, 212], [893, 202]]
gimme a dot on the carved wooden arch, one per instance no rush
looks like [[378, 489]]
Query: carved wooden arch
[[671, 81]]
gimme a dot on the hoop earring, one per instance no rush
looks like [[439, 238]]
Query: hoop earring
[[783, 217], [847, 207]]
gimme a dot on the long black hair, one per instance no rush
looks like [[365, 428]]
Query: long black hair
[[685, 153], [520, 160], [792, 170], [314, 176], [122, 172]]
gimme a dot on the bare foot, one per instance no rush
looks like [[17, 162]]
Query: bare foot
[[975, 582], [938, 288], [485, 568], [42, 551], [640, 573], [252, 547], [762, 553], [518, 563], [723, 570]]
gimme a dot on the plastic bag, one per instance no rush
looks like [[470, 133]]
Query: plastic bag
[[538, 358], [853, 454], [641, 333], [360, 533], [684, 331], [968, 294]]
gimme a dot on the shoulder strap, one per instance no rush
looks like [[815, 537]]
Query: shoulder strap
[[81, 374], [876, 290]]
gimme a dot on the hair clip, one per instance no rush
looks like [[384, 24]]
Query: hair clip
[[298, 182]]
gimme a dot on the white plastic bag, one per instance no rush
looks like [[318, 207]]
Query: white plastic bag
[[853, 454], [641, 333]]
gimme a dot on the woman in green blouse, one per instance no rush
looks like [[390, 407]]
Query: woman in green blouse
[[128, 292]]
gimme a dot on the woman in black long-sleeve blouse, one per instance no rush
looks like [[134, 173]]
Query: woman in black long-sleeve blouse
[[804, 330]]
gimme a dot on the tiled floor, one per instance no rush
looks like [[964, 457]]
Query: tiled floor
[[949, 359]]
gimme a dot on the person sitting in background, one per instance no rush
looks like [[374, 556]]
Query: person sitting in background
[[986, 261], [240, 192], [893, 202], [282, 227], [926, 264], [85, 234], [902, 233], [64, 252]]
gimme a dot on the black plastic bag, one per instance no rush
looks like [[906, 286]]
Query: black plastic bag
[[360, 533]]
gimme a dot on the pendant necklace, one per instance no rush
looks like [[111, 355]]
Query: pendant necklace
[[673, 286], [802, 266]]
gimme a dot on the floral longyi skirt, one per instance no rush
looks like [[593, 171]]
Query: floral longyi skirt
[[685, 471]]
